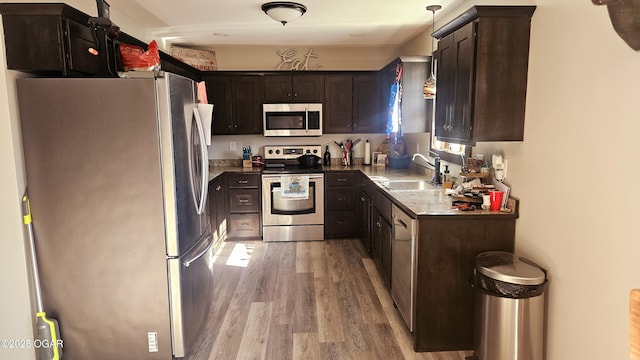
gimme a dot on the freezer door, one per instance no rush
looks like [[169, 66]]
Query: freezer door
[[191, 294], [185, 163]]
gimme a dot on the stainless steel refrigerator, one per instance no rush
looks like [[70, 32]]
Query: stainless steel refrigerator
[[117, 173]]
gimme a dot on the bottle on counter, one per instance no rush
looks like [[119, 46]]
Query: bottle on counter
[[327, 157]]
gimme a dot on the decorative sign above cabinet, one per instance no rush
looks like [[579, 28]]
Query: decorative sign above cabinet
[[290, 62]]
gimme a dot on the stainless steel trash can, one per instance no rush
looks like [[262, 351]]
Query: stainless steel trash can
[[509, 307]]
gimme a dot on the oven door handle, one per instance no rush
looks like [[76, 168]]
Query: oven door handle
[[276, 178]]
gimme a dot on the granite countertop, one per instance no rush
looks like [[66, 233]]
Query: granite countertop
[[215, 171], [418, 202]]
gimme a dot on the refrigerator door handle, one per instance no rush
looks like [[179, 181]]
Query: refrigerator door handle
[[205, 163], [194, 258]]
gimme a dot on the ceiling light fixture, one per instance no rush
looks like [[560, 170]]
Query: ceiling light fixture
[[284, 11], [429, 89]]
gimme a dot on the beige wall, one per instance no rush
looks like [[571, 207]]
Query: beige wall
[[15, 312], [328, 58], [573, 174]]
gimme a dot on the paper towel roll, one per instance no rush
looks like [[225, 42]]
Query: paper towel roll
[[367, 153]]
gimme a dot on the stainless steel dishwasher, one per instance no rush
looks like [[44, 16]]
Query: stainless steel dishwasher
[[403, 264]]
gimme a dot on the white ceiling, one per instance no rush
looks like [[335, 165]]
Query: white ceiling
[[326, 23]]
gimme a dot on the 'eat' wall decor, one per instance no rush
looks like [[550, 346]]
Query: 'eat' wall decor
[[290, 62]]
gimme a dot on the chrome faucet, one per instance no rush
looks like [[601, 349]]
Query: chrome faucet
[[437, 179]]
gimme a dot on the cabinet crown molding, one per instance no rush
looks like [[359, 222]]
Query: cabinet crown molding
[[483, 11]]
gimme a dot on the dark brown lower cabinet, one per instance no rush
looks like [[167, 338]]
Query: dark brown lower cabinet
[[341, 204], [218, 205], [446, 249], [245, 206], [364, 212], [381, 236], [381, 233]]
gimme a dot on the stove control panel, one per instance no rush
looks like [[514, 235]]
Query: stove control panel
[[290, 151]]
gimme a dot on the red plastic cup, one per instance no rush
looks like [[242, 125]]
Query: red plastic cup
[[495, 197]]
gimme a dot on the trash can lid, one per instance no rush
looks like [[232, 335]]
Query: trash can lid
[[506, 267]]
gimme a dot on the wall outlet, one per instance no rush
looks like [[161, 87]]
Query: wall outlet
[[232, 146]]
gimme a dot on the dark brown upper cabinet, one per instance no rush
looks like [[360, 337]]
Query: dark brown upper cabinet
[[366, 104], [293, 88], [337, 112], [50, 39], [482, 63], [54, 39], [237, 103], [352, 103]]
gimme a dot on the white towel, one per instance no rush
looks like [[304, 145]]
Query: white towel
[[295, 186]]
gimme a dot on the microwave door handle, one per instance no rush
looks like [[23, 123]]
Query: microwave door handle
[[306, 119], [205, 162]]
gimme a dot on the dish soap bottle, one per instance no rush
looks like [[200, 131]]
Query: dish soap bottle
[[327, 156]]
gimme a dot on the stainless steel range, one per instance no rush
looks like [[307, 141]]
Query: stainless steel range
[[292, 196]]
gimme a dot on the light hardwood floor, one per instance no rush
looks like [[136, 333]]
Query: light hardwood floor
[[303, 300]]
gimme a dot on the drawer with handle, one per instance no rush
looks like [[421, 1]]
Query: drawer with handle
[[244, 225], [243, 180], [244, 200]]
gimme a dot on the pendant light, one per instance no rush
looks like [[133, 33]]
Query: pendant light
[[429, 89]]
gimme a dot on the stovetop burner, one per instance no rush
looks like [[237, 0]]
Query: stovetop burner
[[283, 159], [290, 152]]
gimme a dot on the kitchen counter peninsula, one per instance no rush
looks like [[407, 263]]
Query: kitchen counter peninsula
[[428, 257], [416, 202]]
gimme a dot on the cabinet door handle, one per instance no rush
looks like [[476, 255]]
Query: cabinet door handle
[[242, 182], [243, 200], [218, 188], [341, 180], [288, 94], [400, 222], [342, 198]]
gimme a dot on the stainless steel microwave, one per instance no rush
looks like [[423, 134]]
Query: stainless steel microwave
[[292, 119]]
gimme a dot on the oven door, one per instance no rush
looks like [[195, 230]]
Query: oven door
[[292, 219], [279, 210]]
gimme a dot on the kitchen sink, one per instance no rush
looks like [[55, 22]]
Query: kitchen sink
[[394, 185]]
